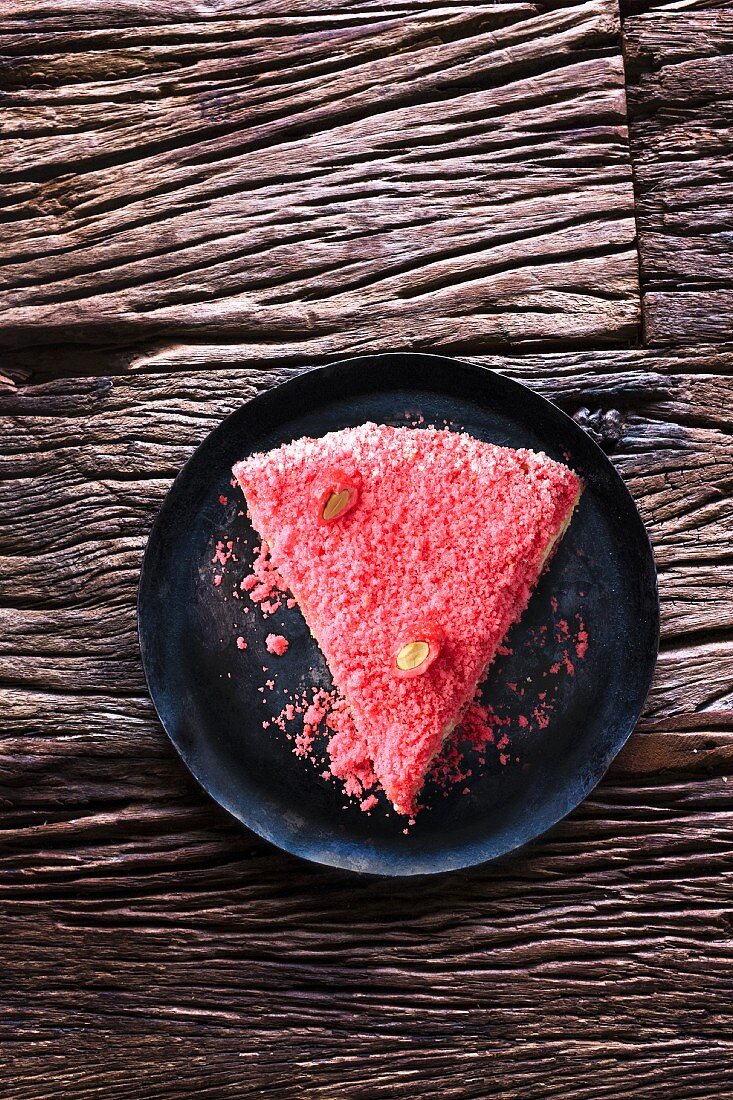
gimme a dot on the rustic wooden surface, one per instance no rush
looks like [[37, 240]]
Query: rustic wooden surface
[[149, 948], [138, 918], [416, 174], [680, 67]]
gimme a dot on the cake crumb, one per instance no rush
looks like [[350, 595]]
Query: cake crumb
[[241, 644], [581, 639], [264, 583], [277, 644], [222, 553]]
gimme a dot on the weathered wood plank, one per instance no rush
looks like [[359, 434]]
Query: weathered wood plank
[[166, 15], [455, 176], [71, 647], [385, 1005], [680, 72], [296, 1067], [685, 7], [573, 368]]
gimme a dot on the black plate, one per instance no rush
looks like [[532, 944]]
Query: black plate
[[206, 690]]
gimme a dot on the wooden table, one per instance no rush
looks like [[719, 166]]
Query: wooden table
[[199, 198]]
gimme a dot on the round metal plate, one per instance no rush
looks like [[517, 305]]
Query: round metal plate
[[206, 690]]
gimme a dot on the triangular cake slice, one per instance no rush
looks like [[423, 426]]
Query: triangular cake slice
[[410, 552]]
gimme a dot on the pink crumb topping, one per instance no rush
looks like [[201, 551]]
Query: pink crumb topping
[[581, 639], [276, 644], [264, 584], [562, 629], [541, 716], [223, 553], [241, 644], [443, 560]]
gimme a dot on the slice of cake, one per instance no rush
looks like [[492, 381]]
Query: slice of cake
[[411, 552]]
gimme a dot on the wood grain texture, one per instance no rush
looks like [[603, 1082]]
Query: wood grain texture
[[152, 949], [445, 175], [668, 7], [680, 71], [199, 198]]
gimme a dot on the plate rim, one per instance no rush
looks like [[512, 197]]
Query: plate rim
[[527, 393]]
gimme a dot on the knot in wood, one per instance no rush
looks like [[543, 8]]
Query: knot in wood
[[606, 428]]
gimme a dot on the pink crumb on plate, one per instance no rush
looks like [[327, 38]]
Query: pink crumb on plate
[[277, 644], [581, 639], [264, 584]]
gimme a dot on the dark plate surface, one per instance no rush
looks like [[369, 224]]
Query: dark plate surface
[[206, 690]]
